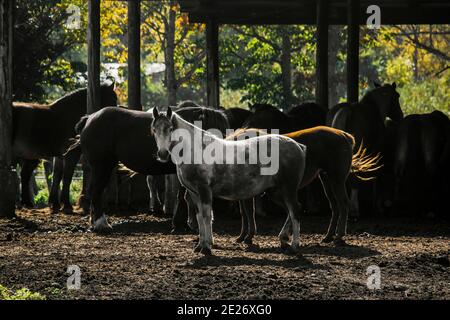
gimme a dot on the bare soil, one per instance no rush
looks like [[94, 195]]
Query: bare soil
[[142, 260]]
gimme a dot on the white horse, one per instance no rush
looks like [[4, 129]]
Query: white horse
[[208, 166]]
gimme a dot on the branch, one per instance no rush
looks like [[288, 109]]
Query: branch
[[259, 37], [423, 46]]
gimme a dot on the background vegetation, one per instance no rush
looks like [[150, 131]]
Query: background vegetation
[[272, 64]]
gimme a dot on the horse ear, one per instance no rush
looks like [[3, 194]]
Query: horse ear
[[394, 85], [376, 84], [155, 112], [169, 112]]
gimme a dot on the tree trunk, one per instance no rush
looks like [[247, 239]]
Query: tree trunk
[[416, 55], [8, 178], [333, 48], [169, 56], [286, 70]]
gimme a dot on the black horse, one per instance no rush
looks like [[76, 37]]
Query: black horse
[[365, 120], [118, 134], [43, 132], [421, 161]]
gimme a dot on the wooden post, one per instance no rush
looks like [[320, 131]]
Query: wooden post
[[8, 178], [353, 51], [322, 54], [134, 55], [93, 42], [212, 60]]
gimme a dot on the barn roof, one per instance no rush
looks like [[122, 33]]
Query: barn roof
[[304, 11]]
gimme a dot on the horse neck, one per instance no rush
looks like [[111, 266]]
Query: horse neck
[[75, 102], [370, 101]]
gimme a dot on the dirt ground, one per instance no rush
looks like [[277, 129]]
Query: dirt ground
[[142, 260]]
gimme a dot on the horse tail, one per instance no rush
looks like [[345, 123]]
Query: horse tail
[[339, 120], [81, 124], [363, 164], [75, 142]]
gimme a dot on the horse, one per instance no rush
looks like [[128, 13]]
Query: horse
[[365, 120], [330, 156], [45, 131], [301, 117], [111, 135], [421, 163], [227, 174], [235, 118]]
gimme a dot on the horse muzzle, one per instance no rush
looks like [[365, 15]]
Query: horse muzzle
[[163, 155]]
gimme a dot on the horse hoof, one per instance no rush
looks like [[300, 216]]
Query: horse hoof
[[339, 242], [197, 248], [206, 251], [68, 210], [156, 212], [240, 239], [327, 239], [248, 240], [290, 250]]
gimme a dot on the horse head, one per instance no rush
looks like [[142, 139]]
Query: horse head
[[387, 99], [162, 128], [108, 95]]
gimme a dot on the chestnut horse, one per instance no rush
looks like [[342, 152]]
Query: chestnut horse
[[45, 131]]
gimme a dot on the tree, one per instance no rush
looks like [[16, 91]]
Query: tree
[[40, 41], [271, 63], [182, 44]]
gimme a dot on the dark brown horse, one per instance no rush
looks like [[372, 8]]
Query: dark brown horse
[[301, 117], [365, 120], [329, 156], [43, 132], [421, 160]]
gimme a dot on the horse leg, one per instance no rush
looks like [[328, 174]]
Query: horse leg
[[84, 201], [201, 225], [48, 169], [191, 212], [100, 176], [329, 193], [171, 194], [53, 199], [244, 221], [354, 203], [249, 209], [70, 162], [155, 206], [294, 210], [204, 204], [343, 204], [27, 168]]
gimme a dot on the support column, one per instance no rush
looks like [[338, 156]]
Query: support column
[[322, 54], [212, 59], [134, 55], [352, 50], [8, 177], [93, 42]]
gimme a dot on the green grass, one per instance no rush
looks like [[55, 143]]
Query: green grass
[[21, 294], [41, 199]]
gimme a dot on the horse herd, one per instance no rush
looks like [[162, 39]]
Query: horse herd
[[388, 162]]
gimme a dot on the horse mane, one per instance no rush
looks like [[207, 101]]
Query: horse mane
[[241, 131], [259, 107], [211, 118], [188, 104], [71, 96], [30, 105]]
